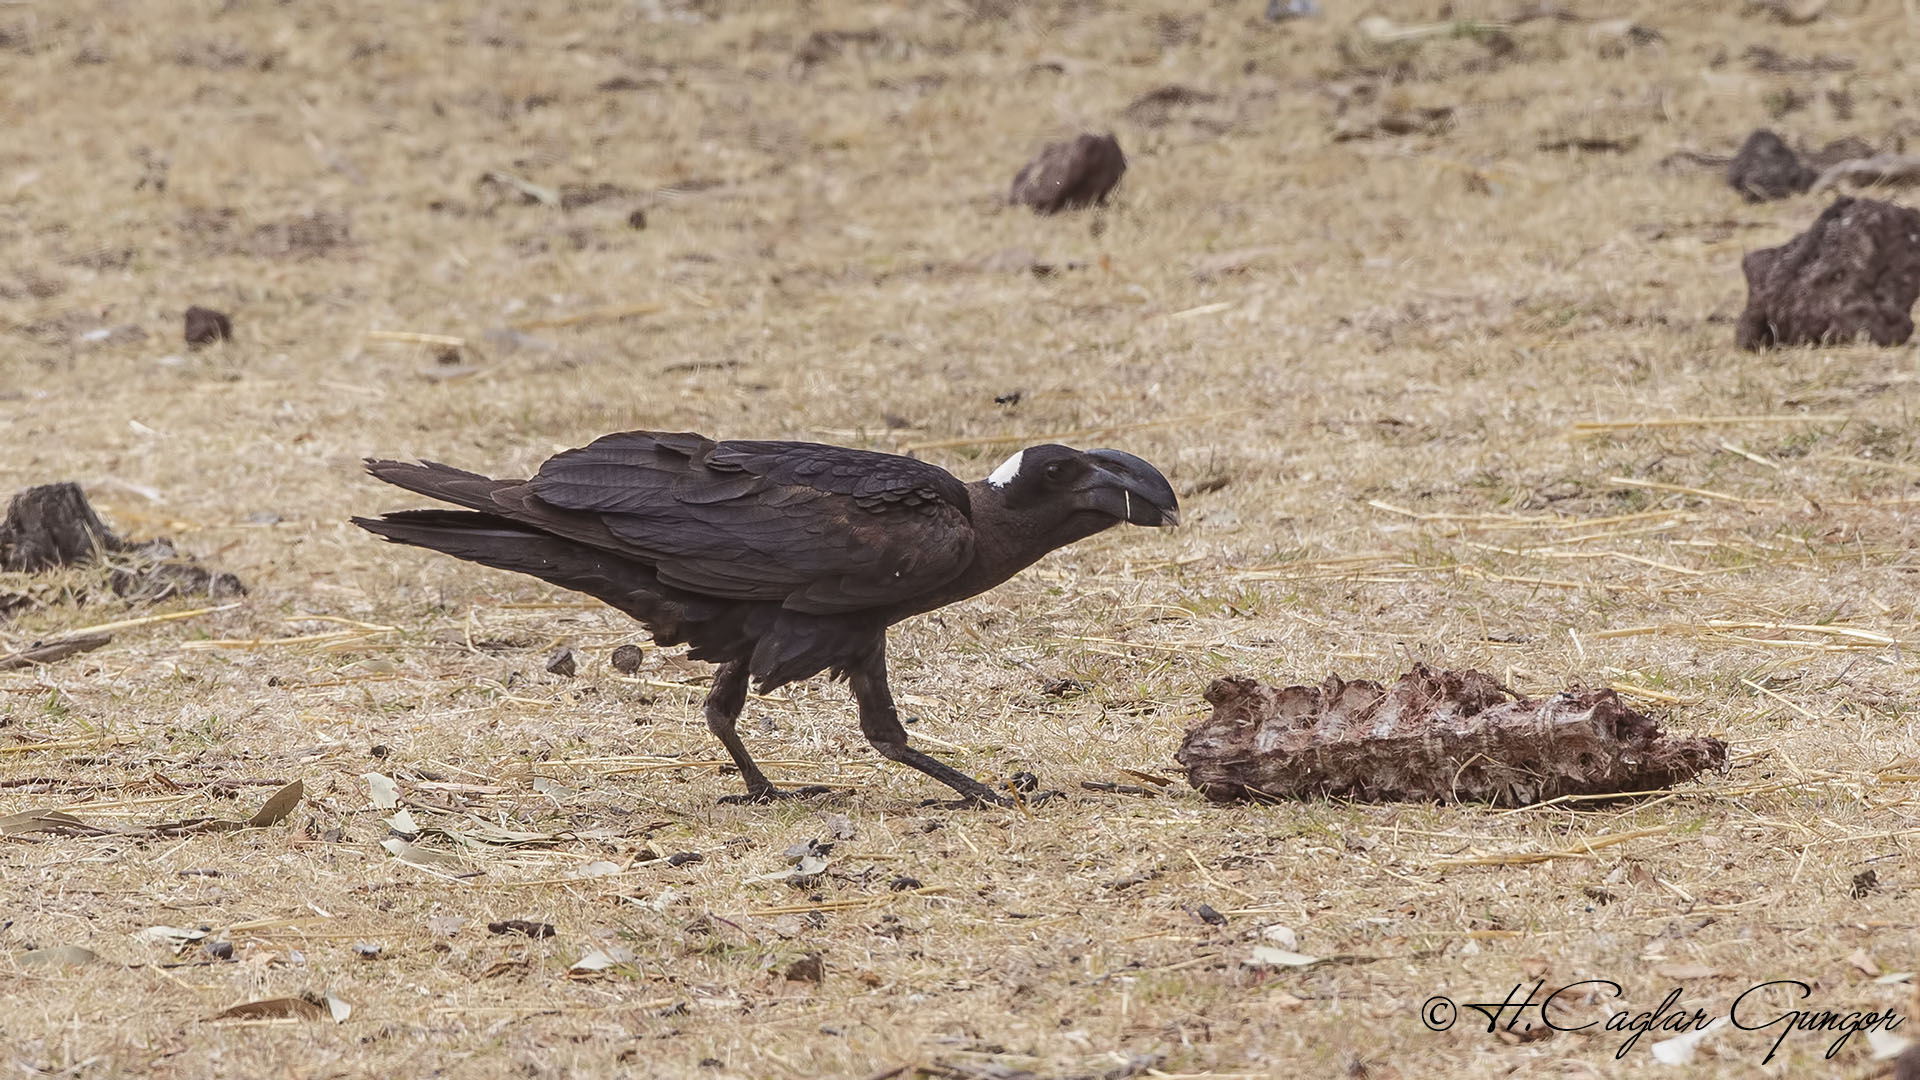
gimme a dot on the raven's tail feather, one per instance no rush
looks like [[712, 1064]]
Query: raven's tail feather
[[779, 646], [443, 482], [495, 541]]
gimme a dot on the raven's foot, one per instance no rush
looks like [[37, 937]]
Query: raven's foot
[[971, 802], [987, 797], [761, 796]]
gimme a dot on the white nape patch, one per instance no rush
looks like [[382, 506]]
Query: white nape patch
[[1008, 469]]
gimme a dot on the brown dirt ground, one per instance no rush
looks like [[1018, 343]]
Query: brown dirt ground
[[1361, 360]]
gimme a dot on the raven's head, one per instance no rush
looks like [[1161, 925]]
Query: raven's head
[[1053, 480]]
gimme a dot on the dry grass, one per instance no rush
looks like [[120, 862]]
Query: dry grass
[[1423, 396]]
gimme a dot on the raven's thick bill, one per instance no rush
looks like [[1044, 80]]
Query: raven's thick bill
[[777, 560]]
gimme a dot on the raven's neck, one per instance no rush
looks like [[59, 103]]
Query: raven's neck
[[1006, 542]]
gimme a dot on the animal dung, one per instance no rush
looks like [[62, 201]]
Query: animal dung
[[1767, 168], [627, 659], [1434, 736], [206, 326], [1070, 175], [1854, 272], [54, 525]]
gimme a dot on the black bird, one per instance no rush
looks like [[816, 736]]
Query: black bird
[[777, 560]]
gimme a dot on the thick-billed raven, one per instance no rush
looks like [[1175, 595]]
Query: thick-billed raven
[[777, 560]]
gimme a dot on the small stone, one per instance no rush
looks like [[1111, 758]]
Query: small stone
[[367, 950], [561, 662], [1855, 272], [507, 339], [808, 968], [1767, 168], [1070, 175], [626, 659], [522, 927], [206, 326], [637, 220]]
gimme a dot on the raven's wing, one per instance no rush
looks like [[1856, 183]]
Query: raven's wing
[[819, 529]]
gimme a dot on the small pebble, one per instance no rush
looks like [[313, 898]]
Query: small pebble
[[206, 326]]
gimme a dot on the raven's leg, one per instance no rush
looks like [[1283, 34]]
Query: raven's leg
[[724, 702], [880, 723]]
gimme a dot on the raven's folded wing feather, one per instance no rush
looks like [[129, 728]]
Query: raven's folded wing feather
[[819, 529]]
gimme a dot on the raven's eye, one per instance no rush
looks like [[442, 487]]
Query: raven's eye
[[1055, 470]]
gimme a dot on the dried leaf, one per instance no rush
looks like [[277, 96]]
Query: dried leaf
[[1283, 936], [403, 823], [172, 937], [278, 807], [1268, 956], [553, 789], [1864, 962], [477, 833], [414, 854], [50, 651], [32, 821], [839, 826], [523, 927], [56, 956], [338, 1008], [384, 793], [283, 1008], [1893, 977], [598, 868], [1679, 1049], [446, 925], [601, 959], [1684, 972]]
